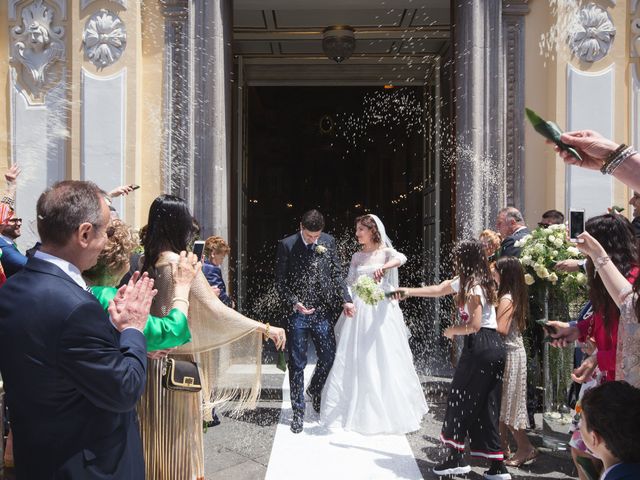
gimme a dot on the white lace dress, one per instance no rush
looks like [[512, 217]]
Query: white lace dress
[[513, 411], [373, 386]]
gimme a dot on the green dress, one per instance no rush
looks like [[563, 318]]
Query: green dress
[[161, 332]]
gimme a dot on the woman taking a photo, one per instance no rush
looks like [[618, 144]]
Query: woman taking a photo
[[171, 421]]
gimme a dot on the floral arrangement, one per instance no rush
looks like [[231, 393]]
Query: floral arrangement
[[320, 249], [368, 290], [541, 250]]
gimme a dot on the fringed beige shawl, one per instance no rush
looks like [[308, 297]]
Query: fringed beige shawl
[[228, 350]]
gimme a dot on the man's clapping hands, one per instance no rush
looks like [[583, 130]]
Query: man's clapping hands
[[131, 305]]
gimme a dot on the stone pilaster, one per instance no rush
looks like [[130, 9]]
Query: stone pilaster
[[513, 12], [178, 151]]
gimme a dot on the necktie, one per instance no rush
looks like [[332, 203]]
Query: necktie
[[310, 247]]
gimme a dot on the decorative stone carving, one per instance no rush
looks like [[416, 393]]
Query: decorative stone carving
[[36, 47], [592, 34], [13, 5], [104, 38], [635, 38]]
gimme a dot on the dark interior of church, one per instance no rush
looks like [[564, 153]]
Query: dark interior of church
[[343, 150], [346, 151]]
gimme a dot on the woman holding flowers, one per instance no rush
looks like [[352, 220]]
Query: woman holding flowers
[[373, 386], [513, 303], [473, 404]]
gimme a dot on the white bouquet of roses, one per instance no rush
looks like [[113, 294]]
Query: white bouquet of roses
[[368, 290], [541, 250]]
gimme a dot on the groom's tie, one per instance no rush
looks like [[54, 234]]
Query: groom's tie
[[309, 247]]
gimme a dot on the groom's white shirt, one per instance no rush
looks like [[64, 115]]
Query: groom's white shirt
[[304, 241]]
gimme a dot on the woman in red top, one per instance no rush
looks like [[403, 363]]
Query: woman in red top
[[615, 234]]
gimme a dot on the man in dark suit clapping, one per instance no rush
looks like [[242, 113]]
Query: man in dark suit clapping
[[73, 374], [310, 281]]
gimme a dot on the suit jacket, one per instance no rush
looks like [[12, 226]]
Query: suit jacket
[[508, 248], [12, 260], [71, 380], [213, 274], [313, 278], [624, 471]]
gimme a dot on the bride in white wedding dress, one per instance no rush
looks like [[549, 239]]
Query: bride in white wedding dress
[[373, 386]]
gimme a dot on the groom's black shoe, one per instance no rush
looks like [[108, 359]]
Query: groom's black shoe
[[297, 422], [315, 401]]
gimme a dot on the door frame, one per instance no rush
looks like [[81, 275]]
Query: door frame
[[288, 72]]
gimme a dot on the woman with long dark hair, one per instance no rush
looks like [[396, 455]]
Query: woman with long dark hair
[[171, 422], [513, 304], [627, 298], [473, 404], [615, 235]]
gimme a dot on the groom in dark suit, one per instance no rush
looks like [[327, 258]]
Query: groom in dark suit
[[72, 374], [311, 284]]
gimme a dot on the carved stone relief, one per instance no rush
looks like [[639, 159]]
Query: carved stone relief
[[13, 5], [593, 33], [104, 38], [37, 49]]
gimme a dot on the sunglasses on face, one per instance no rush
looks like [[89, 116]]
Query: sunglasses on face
[[14, 220], [544, 225]]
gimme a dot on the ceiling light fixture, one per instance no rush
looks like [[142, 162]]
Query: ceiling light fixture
[[338, 42]]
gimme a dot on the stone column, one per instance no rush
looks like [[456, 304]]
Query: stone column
[[178, 151], [489, 49], [213, 65], [513, 12]]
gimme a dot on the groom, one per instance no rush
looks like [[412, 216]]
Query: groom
[[311, 284]]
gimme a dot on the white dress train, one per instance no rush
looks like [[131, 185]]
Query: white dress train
[[373, 386]]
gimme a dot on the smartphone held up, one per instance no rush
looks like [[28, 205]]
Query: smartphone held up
[[198, 249], [576, 224]]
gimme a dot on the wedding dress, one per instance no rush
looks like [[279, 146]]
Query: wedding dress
[[373, 386]]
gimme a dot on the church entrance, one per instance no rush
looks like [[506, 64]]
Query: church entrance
[[347, 151]]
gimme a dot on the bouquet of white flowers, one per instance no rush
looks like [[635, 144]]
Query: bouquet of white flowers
[[368, 290], [541, 250]]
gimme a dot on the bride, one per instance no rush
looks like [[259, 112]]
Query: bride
[[373, 386]]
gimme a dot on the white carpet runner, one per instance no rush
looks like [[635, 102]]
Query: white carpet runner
[[317, 453]]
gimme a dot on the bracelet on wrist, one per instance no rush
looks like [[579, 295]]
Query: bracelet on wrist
[[266, 331], [617, 158], [601, 262], [181, 299], [611, 157]]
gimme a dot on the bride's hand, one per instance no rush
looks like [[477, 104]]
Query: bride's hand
[[349, 309], [378, 275], [448, 333]]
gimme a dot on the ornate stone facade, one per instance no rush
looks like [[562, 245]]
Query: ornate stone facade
[[104, 38], [37, 49], [593, 34]]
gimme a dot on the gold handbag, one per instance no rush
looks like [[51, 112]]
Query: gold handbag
[[181, 375]]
